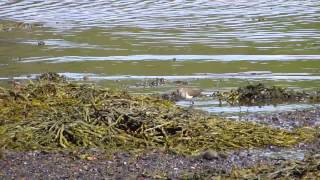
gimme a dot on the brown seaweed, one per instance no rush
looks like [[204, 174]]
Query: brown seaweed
[[260, 94], [51, 114]]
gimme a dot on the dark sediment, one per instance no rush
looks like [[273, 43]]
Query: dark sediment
[[153, 164]]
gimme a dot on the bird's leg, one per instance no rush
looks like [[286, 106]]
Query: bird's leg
[[192, 102]]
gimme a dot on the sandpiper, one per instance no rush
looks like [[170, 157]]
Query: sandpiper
[[188, 93]]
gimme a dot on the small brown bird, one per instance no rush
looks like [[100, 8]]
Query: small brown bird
[[188, 93]]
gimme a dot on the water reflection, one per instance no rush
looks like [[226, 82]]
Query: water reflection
[[176, 58], [260, 75], [222, 24]]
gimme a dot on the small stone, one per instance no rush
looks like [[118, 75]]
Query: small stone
[[41, 43], [86, 78], [91, 158], [210, 155]]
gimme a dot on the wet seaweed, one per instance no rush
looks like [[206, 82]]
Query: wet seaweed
[[260, 94], [51, 114], [52, 77]]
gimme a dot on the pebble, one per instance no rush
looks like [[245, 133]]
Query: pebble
[[85, 78], [212, 155], [41, 43]]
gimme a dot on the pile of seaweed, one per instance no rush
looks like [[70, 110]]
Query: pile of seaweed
[[53, 114], [259, 94]]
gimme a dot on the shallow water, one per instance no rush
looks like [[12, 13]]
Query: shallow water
[[210, 44]]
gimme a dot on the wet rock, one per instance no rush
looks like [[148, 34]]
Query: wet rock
[[213, 155], [85, 78], [210, 155], [41, 43]]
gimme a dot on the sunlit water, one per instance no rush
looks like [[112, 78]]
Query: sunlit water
[[212, 45]]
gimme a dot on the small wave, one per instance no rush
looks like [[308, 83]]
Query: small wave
[[253, 75], [150, 57]]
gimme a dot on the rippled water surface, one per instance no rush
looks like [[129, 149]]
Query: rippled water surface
[[210, 44]]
